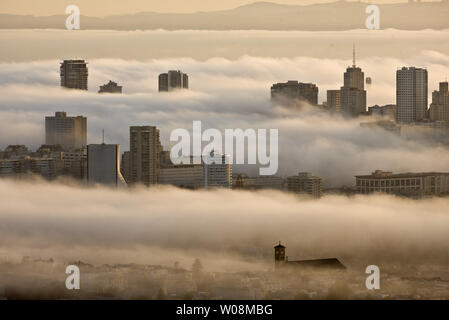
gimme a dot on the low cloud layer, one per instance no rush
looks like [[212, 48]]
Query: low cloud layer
[[228, 230]]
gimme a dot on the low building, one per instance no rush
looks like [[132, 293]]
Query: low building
[[304, 183], [182, 175], [110, 87], [243, 181], [404, 184], [48, 168], [281, 262], [386, 111], [294, 90]]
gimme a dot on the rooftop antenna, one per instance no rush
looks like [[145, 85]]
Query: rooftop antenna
[[353, 55], [103, 135]]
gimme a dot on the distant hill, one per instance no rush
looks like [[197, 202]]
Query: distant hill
[[336, 16]]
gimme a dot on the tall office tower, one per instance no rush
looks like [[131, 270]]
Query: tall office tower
[[333, 100], [304, 183], [103, 164], [110, 87], [173, 80], [411, 94], [69, 132], [74, 74], [219, 174], [145, 154], [353, 94], [293, 90], [439, 109]]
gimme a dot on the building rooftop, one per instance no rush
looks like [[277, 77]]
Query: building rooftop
[[379, 174]]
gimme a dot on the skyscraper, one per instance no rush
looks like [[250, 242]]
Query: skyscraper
[[294, 90], [145, 154], [411, 94], [353, 94], [69, 132], [173, 80], [439, 109], [103, 164], [74, 74]]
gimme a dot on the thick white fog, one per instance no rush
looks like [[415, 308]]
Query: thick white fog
[[228, 230]]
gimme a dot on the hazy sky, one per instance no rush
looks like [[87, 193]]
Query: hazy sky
[[108, 7]]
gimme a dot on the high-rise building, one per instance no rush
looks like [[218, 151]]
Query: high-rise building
[[294, 90], [103, 164], [173, 80], [217, 171], [74, 74], [439, 109], [304, 183], [411, 94], [68, 132], [334, 100], [405, 184], [110, 87], [353, 94], [145, 155]]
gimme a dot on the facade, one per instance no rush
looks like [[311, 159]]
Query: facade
[[48, 168], [110, 87], [182, 175], [124, 166], [74, 74], [173, 80], [353, 94], [411, 94], [294, 90], [103, 164], [439, 109], [75, 163], [334, 100], [243, 181], [218, 174], [68, 132], [304, 183], [145, 155], [386, 111], [404, 184]]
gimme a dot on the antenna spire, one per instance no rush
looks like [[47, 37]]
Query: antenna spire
[[103, 135], [353, 55]]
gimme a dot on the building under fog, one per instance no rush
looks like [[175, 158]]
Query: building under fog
[[74, 74], [353, 93], [411, 94], [110, 87], [103, 164], [304, 183], [217, 171], [145, 155], [173, 80], [404, 184], [68, 132], [293, 90], [439, 108]]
